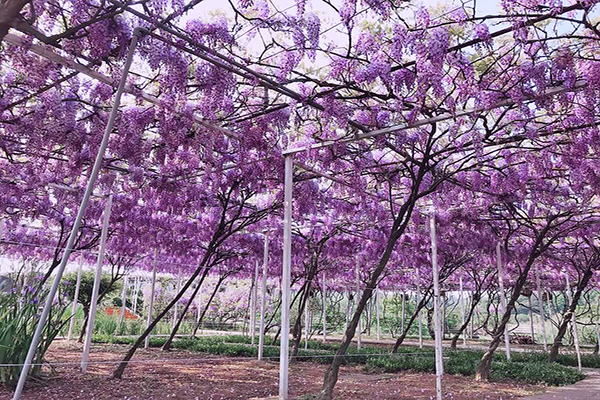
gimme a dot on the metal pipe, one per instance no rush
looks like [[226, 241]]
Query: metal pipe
[[176, 306], [306, 319], [531, 324], [151, 305], [420, 323], [462, 311], [253, 305], [123, 300], [541, 305], [324, 309], [285, 281], [573, 322], [75, 298], [403, 310], [377, 305], [439, 366], [502, 298], [77, 223], [96, 288], [263, 299], [358, 328]]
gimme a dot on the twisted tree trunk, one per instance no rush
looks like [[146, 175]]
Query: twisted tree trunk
[[297, 330], [476, 299], [424, 300], [485, 365], [212, 296], [167, 345], [562, 329]]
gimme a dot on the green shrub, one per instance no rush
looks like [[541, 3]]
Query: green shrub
[[529, 368], [536, 372]]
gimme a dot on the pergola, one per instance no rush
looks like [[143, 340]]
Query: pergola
[[211, 56]]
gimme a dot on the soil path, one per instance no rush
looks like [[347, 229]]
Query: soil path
[[189, 375], [587, 389]]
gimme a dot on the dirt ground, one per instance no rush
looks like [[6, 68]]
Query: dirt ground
[[183, 374]]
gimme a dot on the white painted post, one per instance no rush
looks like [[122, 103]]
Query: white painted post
[[151, 305], [123, 300], [135, 294], [472, 322], [420, 323], [403, 310], [253, 305], [80, 213], [347, 310], [75, 298], [531, 325], [439, 365], [552, 311], [199, 307], [541, 304], [462, 310], [96, 288], [263, 299], [306, 318], [176, 307], [324, 309], [284, 352], [443, 306], [502, 298], [598, 334], [573, 322], [377, 306], [598, 327], [358, 328]]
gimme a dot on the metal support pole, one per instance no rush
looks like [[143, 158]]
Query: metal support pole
[[377, 306], [443, 306], [123, 300], [502, 297], [541, 304], [439, 366], [573, 322], [135, 294], [324, 309], [472, 322], [75, 298], [263, 299], [77, 223], [151, 305], [306, 319], [284, 351], [531, 324], [420, 323], [96, 288], [403, 309], [358, 328], [462, 310], [552, 311], [347, 310], [199, 307], [598, 327], [176, 307], [253, 305]]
